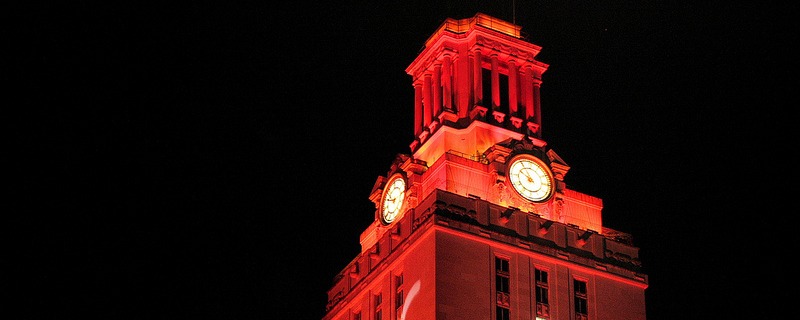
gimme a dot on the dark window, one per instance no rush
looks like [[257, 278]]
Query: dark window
[[501, 265], [486, 86], [502, 284], [503, 297], [503, 313], [398, 300], [398, 285], [542, 296], [501, 275], [504, 94], [581, 308], [515, 84], [378, 311]]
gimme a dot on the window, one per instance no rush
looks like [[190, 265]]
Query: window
[[502, 288], [504, 93], [378, 311], [486, 88], [502, 87], [398, 301], [502, 314], [398, 280], [542, 296], [398, 285], [501, 275], [357, 315], [581, 309]]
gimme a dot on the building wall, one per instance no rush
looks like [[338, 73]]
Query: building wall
[[419, 280], [465, 278], [466, 288], [415, 264]]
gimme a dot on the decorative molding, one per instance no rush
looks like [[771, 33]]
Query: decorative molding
[[516, 122], [499, 116]]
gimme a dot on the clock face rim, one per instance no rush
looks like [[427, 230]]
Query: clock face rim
[[389, 217], [543, 173]]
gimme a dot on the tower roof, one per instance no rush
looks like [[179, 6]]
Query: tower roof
[[480, 19]]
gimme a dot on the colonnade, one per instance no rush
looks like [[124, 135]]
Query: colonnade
[[453, 88]]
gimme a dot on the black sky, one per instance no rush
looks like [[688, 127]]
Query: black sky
[[214, 160]]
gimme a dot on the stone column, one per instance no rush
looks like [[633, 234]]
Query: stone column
[[495, 84], [513, 87], [537, 105], [417, 108], [447, 84], [527, 92], [477, 81], [427, 100], [437, 90]]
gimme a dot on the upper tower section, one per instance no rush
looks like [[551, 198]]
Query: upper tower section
[[475, 69]]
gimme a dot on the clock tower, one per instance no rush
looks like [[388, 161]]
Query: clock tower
[[476, 222]]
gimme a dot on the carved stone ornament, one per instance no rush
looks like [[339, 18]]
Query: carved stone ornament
[[559, 208]]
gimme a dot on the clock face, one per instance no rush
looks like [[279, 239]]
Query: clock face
[[530, 178], [393, 196]]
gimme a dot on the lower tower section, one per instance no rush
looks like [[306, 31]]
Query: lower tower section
[[455, 257]]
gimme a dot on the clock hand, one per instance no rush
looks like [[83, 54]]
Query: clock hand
[[525, 172]]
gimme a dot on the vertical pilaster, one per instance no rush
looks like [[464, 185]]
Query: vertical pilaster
[[513, 88], [437, 89], [477, 81], [417, 108], [427, 100], [462, 78], [537, 105], [527, 92], [447, 83]]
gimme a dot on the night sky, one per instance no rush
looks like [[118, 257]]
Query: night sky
[[213, 160]]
